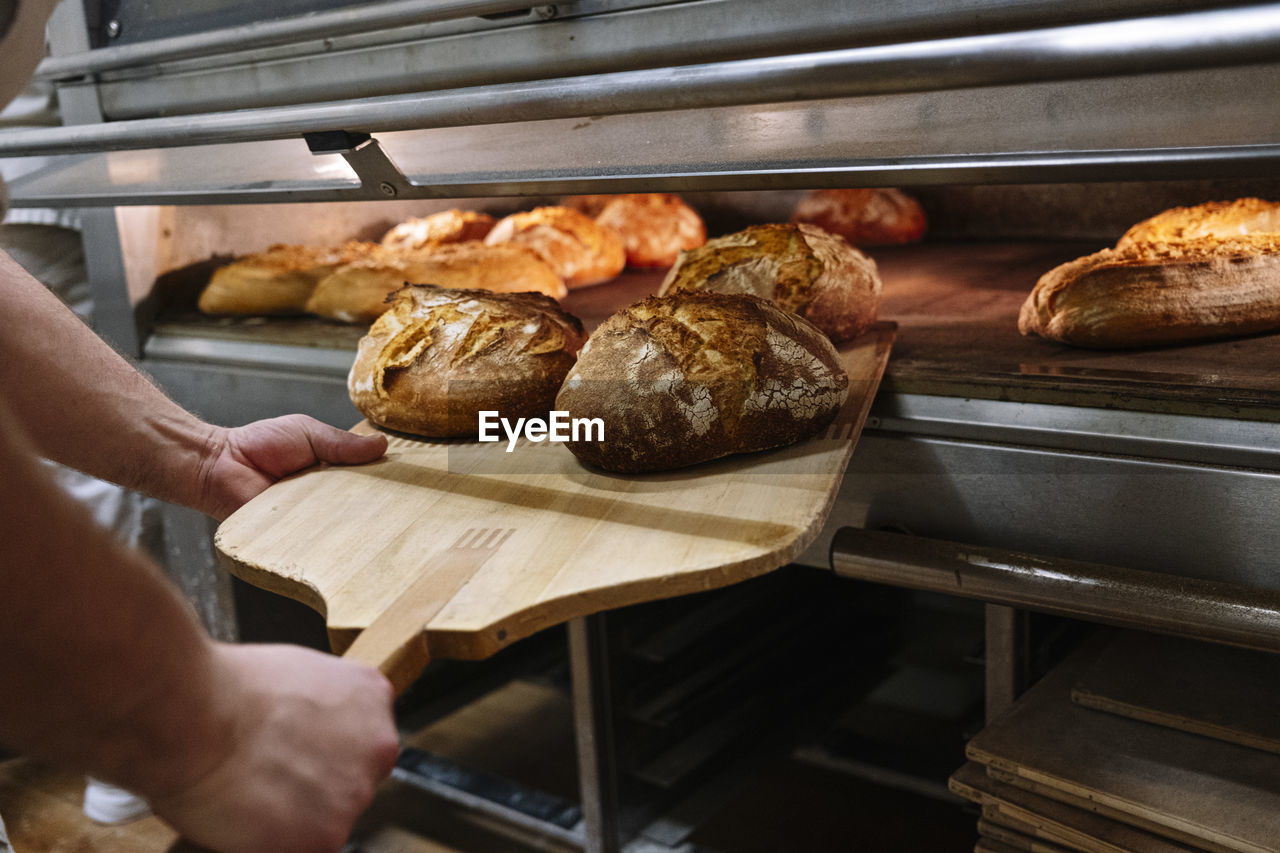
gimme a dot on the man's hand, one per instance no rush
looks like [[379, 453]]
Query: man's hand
[[122, 428], [312, 737], [243, 461]]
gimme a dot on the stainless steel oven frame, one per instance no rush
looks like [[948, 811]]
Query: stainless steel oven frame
[[1170, 515]]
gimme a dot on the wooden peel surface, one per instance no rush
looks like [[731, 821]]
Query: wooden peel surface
[[349, 540]]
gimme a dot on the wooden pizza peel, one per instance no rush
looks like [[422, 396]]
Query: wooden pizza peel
[[459, 548]]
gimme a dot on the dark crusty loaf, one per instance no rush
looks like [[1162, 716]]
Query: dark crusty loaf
[[801, 268], [1150, 294], [683, 379], [438, 356]]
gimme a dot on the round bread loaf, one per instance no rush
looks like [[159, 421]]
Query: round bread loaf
[[580, 251], [683, 379], [277, 281], [802, 268], [449, 226], [655, 227], [877, 216], [358, 292], [438, 356]]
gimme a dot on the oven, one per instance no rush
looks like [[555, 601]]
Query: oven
[[1135, 488]]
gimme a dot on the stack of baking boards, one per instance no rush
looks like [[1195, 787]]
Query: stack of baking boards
[[1135, 744]]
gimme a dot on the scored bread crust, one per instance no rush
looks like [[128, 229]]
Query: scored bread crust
[[1148, 294], [358, 292], [801, 268], [695, 376], [438, 356], [448, 226], [655, 227], [1218, 219], [580, 251], [277, 281], [875, 216]]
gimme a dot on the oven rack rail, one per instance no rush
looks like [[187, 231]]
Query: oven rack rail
[[1158, 43], [958, 109]]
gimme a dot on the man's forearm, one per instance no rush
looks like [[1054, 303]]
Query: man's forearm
[[104, 667], [85, 406]]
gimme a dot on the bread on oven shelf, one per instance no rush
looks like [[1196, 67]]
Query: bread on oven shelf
[[802, 268], [358, 292], [277, 281], [546, 250], [448, 226], [872, 216], [581, 251], [1184, 275], [655, 227]]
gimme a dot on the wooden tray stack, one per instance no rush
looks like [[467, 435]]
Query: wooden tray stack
[[1136, 744]]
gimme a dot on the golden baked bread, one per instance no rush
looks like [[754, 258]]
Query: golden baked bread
[[1149, 294], [655, 227], [438, 356], [802, 268], [1220, 219], [591, 205], [865, 217], [277, 281], [357, 292], [580, 251], [449, 226], [683, 379]]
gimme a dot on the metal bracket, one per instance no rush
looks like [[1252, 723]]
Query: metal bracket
[[1007, 654], [593, 725], [334, 141], [380, 177], [533, 811]]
